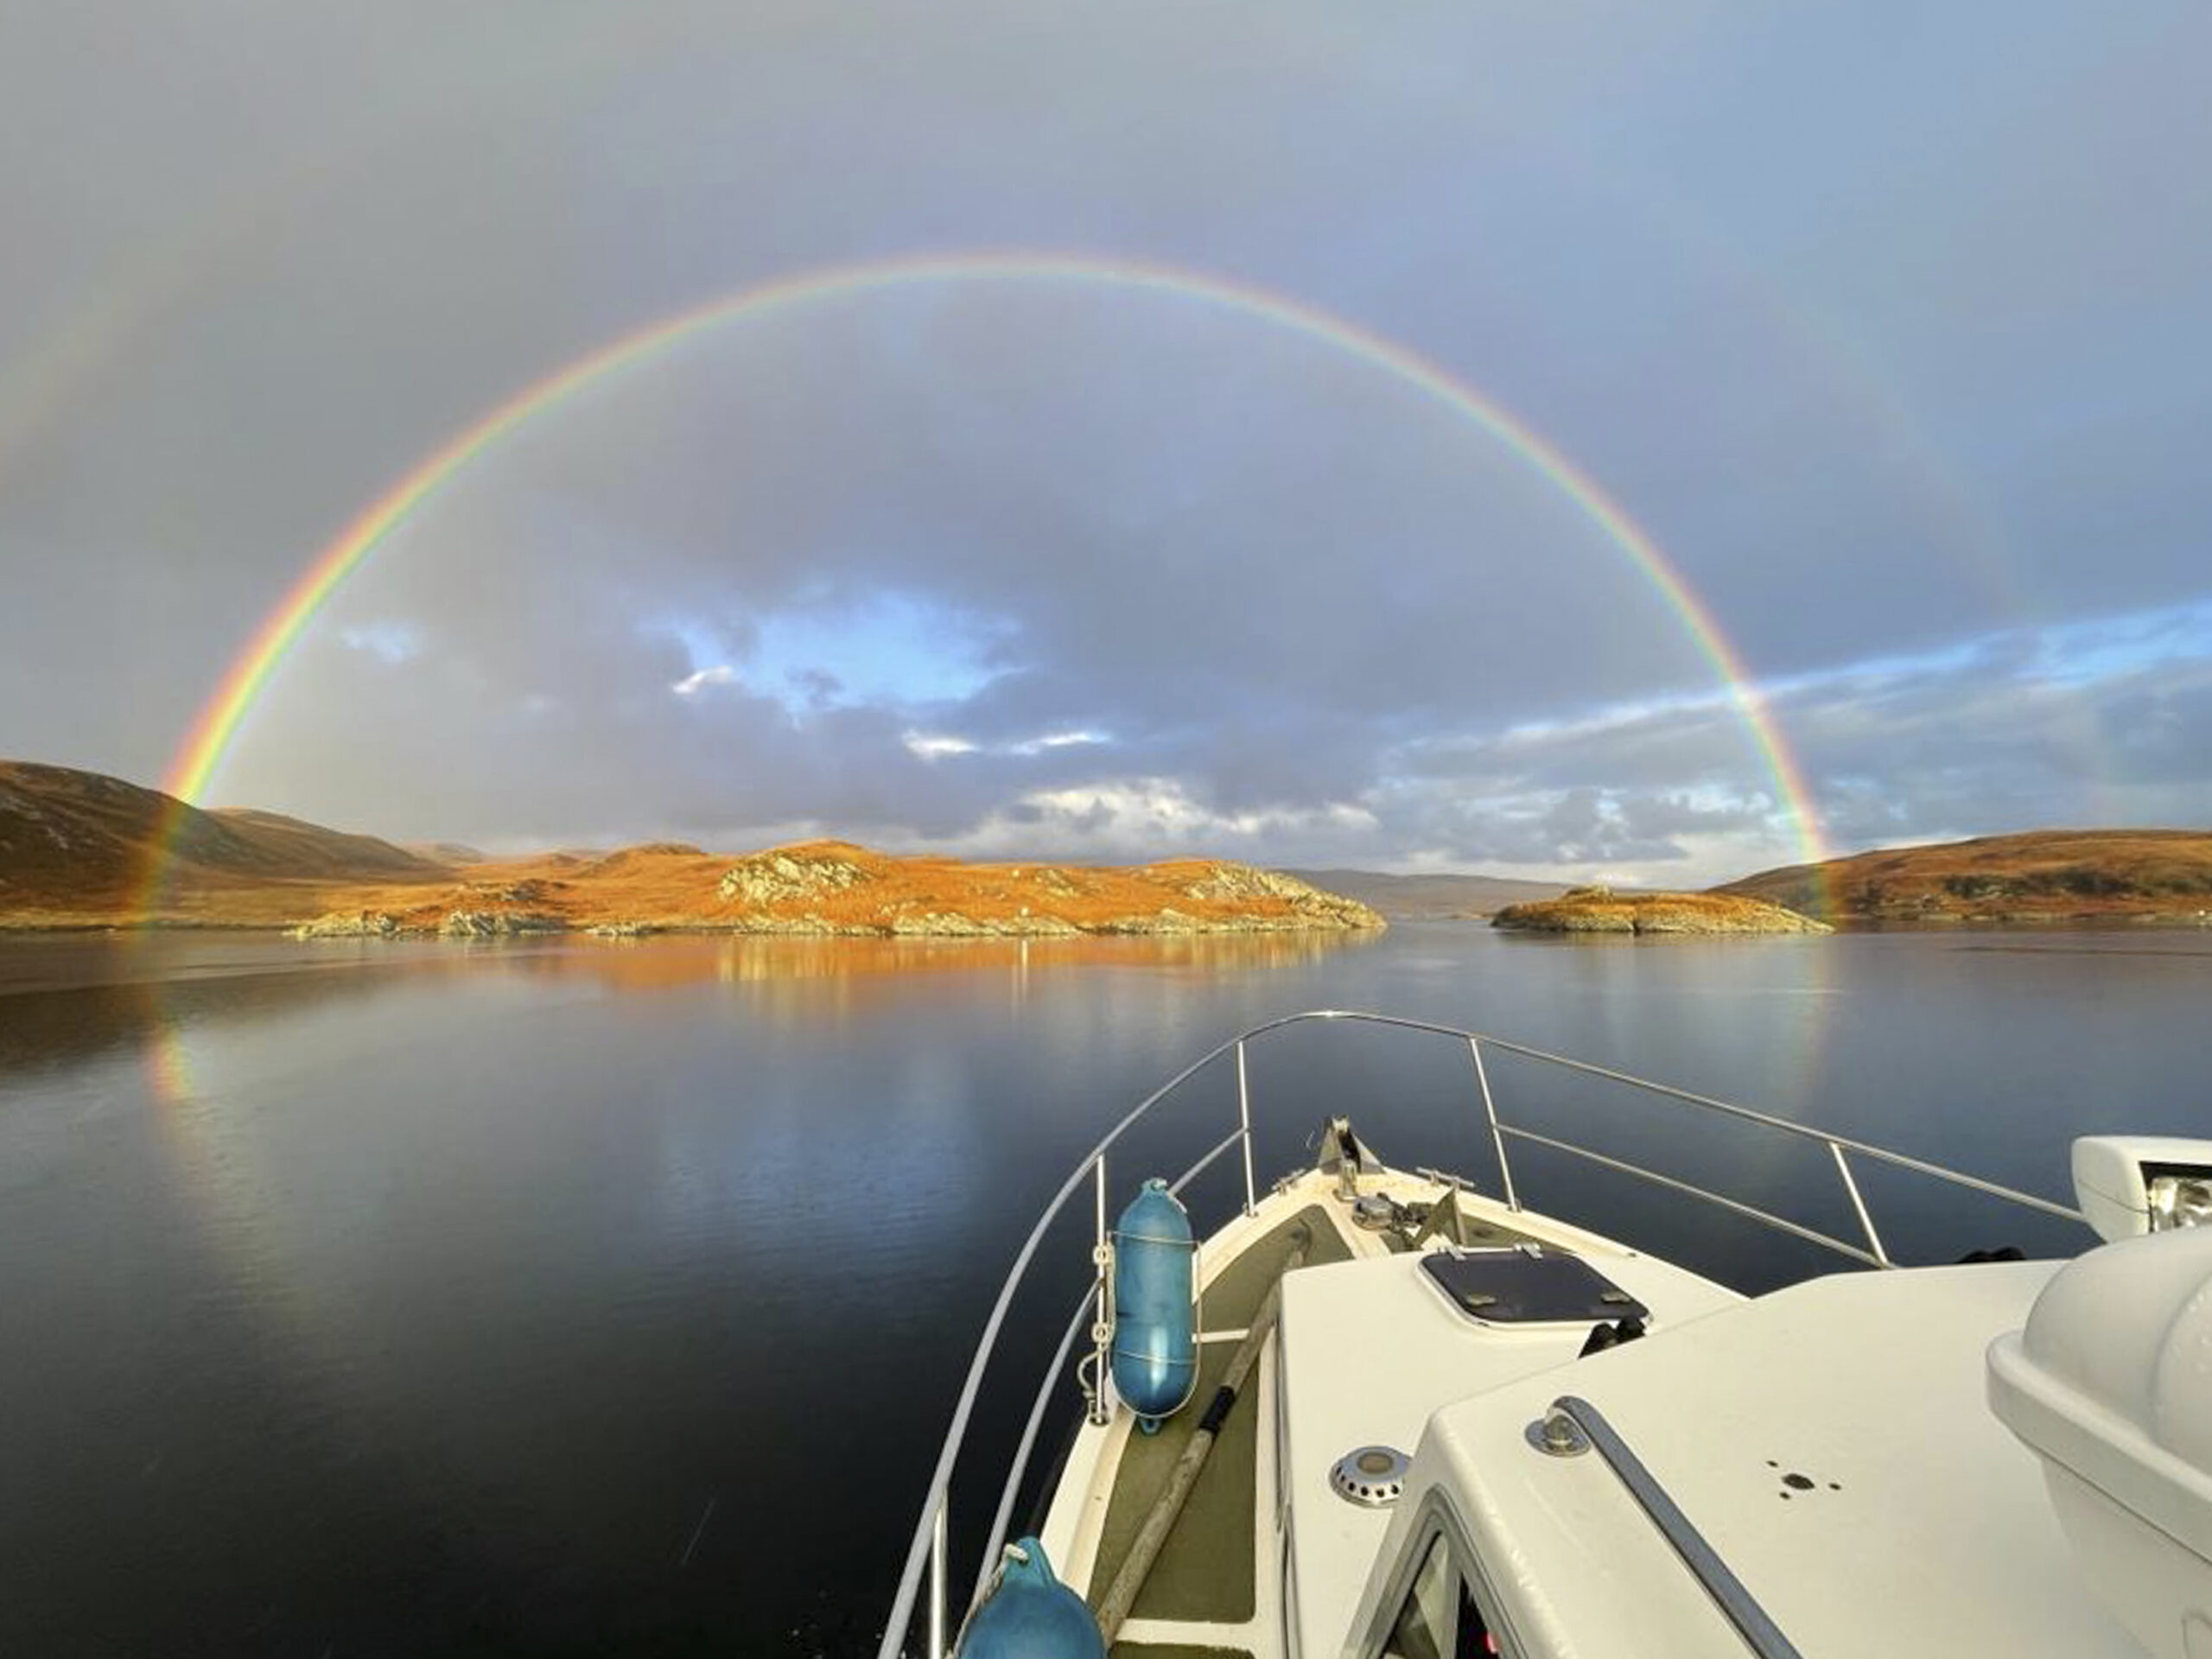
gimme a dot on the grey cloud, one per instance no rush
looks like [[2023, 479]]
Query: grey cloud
[[2159, 735], [1579, 827]]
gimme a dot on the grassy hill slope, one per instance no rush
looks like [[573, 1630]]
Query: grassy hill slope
[[2049, 875]]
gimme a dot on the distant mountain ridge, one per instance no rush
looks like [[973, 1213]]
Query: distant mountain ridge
[[81, 840], [445, 852], [1430, 897]]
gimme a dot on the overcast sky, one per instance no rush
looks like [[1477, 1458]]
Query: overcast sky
[[1891, 324]]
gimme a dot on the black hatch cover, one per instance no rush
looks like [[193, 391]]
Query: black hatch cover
[[1518, 1288]]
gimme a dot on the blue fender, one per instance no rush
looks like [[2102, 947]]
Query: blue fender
[[1155, 1308], [1029, 1614]]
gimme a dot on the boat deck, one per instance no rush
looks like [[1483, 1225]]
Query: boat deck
[[1810, 1473], [1217, 1587]]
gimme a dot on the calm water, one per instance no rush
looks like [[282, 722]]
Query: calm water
[[594, 1298]]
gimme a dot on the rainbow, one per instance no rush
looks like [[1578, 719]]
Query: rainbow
[[219, 721]]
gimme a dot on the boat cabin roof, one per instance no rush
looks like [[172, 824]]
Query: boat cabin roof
[[1371, 1350], [1831, 1443]]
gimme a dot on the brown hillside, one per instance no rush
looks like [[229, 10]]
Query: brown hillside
[[443, 852], [2052, 875], [293, 847], [79, 847]]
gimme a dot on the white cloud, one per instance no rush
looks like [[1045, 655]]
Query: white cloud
[[691, 684], [1057, 740], [1158, 817], [933, 746]]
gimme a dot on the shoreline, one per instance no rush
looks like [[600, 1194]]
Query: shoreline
[[1183, 927], [16, 927]]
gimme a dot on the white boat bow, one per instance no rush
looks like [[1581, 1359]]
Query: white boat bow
[[1459, 1426]]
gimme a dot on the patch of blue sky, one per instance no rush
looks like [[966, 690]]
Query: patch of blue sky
[[2094, 650], [887, 648], [2111, 648], [1957, 656], [390, 641]]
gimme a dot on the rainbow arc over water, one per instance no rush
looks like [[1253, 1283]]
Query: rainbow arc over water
[[246, 679]]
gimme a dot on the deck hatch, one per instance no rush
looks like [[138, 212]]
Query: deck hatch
[[1522, 1286]]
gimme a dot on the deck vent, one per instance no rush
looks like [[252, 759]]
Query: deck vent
[[1369, 1475]]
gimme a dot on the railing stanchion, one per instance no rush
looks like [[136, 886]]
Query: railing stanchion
[[995, 1545], [936, 1578], [1102, 1323], [1865, 1220], [1245, 1120], [1489, 1111]]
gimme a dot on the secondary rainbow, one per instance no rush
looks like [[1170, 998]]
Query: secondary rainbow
[[219, 720]]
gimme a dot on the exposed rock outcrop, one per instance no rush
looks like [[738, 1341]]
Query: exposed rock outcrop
[[1238, 883], [498, 924], [791, 873], [950, 923], [454, 924], [350, 924], [530, 891]]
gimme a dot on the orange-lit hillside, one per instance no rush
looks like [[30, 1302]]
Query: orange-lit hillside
[[834, 888], [78, 850]]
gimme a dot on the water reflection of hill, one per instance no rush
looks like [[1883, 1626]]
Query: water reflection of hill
[[656, 963], [68, 999], [54, 1011]]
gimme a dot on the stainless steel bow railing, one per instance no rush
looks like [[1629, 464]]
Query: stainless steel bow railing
[[928, 1551]]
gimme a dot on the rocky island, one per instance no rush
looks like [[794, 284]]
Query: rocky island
[[836, 889], [1601, 910]]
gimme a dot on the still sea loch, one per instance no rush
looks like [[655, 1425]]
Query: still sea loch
[[593, 1297]]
